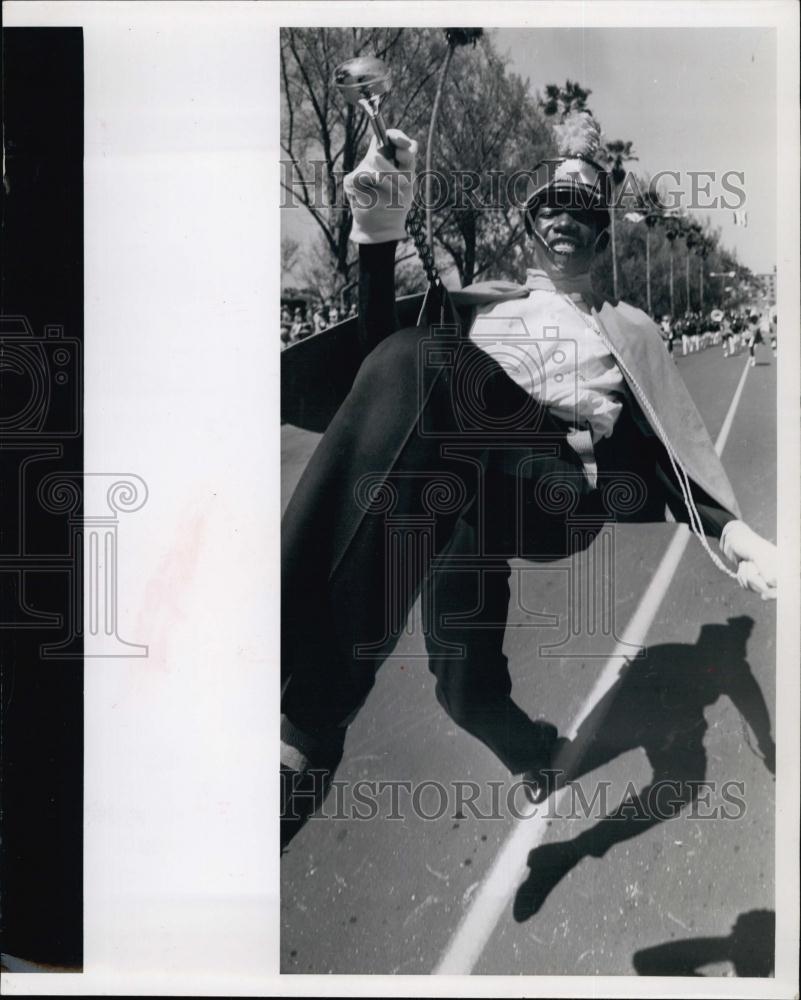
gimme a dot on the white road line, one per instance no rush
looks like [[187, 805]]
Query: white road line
[[510, 866], [723, 436]]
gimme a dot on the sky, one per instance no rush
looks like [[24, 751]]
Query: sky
[[690, 99], [700, 99]]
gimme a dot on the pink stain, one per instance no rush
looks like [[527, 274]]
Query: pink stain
[[164, 601]]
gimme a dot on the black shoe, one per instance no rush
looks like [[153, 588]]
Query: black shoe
[[544, 778], [308, 765]]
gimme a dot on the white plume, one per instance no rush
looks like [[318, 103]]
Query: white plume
[[578, 135]]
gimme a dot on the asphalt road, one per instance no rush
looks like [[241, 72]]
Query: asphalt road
[[388, 895]]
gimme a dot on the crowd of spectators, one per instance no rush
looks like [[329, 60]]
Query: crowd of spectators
[[306, 320]]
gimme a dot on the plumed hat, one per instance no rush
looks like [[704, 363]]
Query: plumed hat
[[573, 179]]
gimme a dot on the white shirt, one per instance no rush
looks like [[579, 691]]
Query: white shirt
[[550, 350]]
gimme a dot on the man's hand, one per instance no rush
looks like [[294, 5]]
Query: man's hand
[[756, 558], [380, 193]]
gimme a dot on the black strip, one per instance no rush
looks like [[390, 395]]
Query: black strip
[[41, 436]]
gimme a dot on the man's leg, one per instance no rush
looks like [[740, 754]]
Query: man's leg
[[369, 473], [340, 558], [377, 502], [474, 688]]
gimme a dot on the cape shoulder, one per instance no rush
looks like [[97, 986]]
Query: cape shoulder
[[483, 292], [652, 375]]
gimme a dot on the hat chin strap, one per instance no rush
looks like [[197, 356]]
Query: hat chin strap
[[541, 238]]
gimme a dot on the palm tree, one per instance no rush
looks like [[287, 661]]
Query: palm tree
[[692, 236], [702, 250], [650, 222], [454, 37], [672, 230], [562, 100], [652, 208], [616, 153]]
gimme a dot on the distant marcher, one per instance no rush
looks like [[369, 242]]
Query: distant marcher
[[726, 335], [755, 336], [686, 334], [667, 333], [709, 330], [714, 326], [695, 336], [738, 325]]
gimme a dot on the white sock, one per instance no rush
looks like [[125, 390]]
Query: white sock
[[292, 758]]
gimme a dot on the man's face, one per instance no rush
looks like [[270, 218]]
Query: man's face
[[569, 236]]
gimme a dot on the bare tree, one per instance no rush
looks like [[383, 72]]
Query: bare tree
[[495, 132], [322, 136], [455, 37], [491, 127]]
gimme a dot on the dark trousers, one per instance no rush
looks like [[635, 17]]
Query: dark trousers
[[435, 471]]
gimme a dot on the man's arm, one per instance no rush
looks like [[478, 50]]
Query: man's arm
[[754, 557], [377, 318], [380, 193]]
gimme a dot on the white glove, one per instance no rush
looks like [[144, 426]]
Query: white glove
[[380, 193], [756, 558]]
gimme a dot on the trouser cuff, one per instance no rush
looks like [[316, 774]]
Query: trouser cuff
[[320, 748]]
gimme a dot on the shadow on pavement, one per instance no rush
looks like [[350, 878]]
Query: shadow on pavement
[[749, 947], [658, 705]]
